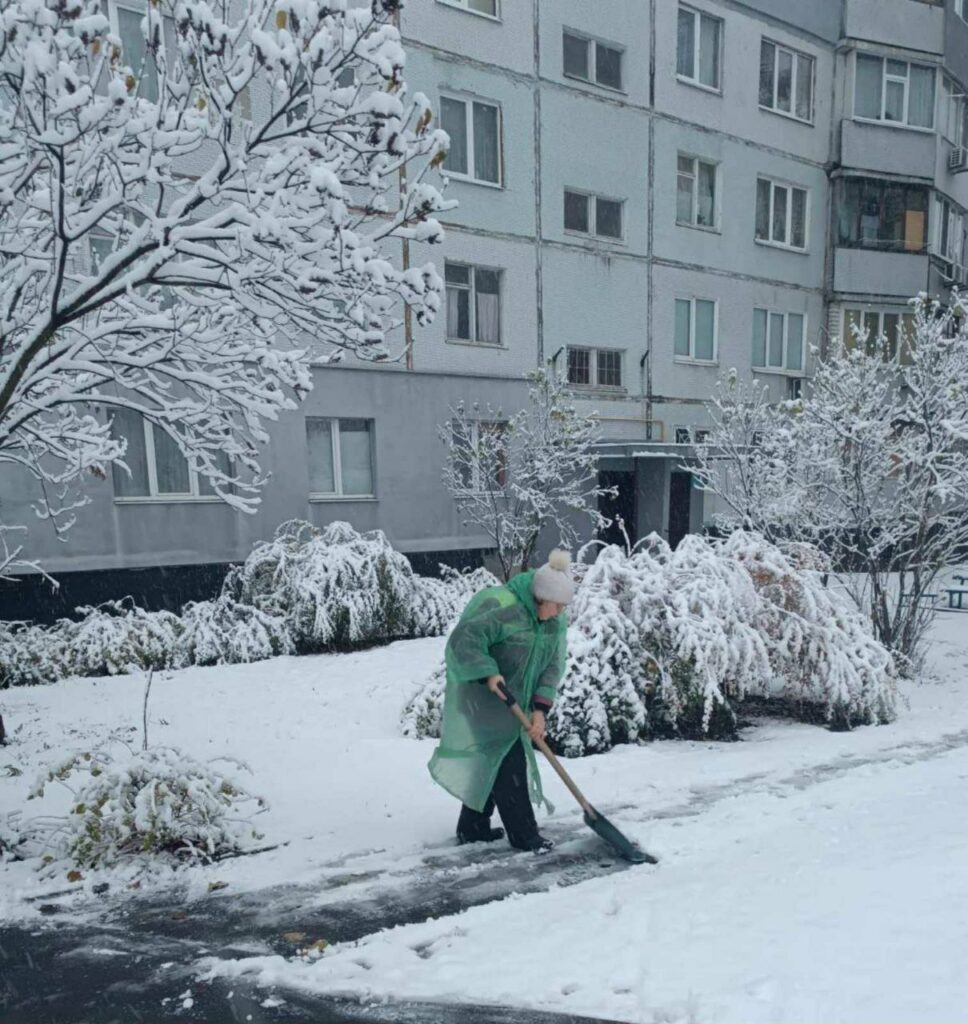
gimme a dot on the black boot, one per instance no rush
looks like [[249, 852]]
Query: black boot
[[535, 844], [486, 835]]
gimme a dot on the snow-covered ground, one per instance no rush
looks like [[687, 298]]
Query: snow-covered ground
[[805, 876]]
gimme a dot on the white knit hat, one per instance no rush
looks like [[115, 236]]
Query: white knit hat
[[552, 582]]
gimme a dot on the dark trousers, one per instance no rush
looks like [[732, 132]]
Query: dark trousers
[[513, 801]]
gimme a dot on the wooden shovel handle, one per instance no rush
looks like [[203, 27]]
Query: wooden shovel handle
[[515, 708]]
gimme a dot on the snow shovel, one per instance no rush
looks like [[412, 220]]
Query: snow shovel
[[622, 845]]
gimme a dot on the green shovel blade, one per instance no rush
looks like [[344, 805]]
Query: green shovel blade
[[622, 845]]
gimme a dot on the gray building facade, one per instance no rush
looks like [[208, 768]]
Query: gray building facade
[[650, 193]]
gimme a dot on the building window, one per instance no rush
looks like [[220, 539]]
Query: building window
[[949, 229], [890, 333], [487, 7], [778, 340], [340, 457], [593, 215], [695, 330], [157, 467], [786, 81], [473, 303], [696, 192], [954, 113], [591, 61], [961, 9], [873, 214], [781, 214], [595, 367], [475, 139], [699, 47], [894, 91], [134, 51], [481, 450]]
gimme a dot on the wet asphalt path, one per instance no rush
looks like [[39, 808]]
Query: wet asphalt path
[[135, 963]]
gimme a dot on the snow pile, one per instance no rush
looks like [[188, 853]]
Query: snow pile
[[667, 643], [305, 591], [338, 588], [159, 801]]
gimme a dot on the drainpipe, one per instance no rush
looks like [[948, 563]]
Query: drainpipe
[[405, 251], [646, 362], [538, 267]]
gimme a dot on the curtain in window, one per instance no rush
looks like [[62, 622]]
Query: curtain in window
[[129, 425], [709, 52], [686, 48], [767, 64], [867, 89], [485, 143], [488, 307], [804, 88], [707, 195], [171, 467], [705, 329], [775, 357], [319, 440], [355, 452], [794, 341], [759, 337], [762, 209], [458, 313], [779, 213], [784, 81], [682, 327], [684, 185], [453, 118], [798, 218], [921, 99]]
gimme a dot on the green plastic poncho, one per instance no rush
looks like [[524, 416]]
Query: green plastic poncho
[[498, 634]]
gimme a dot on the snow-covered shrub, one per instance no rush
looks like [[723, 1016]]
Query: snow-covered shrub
[[118, 637], [438, 603], [338, 588], [226, 632], [669, 643], [423, 715], [156, 802], [31, 655]]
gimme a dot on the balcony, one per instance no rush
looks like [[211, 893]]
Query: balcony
[[904, 23], [897, 275], [888, 149]]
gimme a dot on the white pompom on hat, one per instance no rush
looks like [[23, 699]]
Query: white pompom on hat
[[552, 582]]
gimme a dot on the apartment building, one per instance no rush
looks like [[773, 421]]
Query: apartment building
[[651, 192]]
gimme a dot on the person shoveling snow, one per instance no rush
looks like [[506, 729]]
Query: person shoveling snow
[[512, 635]]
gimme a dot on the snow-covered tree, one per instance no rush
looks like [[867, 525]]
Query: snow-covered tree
[[193, 204], [514, 476], [871, 465]]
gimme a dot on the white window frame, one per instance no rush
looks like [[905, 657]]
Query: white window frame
[[692, 358], [593, 353], [694, 223], [154, 496], [472, 309], [140, 8], [775, 183], [592, 231], [338, 494], [468, 102], [698, 15], [906, 80], [961, 9], [794, 54], [784, 370], [462, 5], [880, 312], [953, 100], [594, 44]]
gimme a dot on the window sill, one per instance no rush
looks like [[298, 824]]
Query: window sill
[[599, 390], [881, 123], [322, 499], [699, 227], [170, 499], [788, 117], [615, 90], [468, 10], [600, 239], [781, 247], [468, 179], [467, 343], [694, 84], [689, 361], [776, 371]]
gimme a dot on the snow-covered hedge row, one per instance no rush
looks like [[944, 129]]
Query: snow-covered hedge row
[[306, 590], [669, 643]]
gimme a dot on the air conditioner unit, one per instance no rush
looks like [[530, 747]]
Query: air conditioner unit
[[958, 159]]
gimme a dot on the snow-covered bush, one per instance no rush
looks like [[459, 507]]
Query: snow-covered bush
[[31, 655], [338, 588], [669, 643], [226, 632], [423, 715], [159, 801], [118, 637]]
